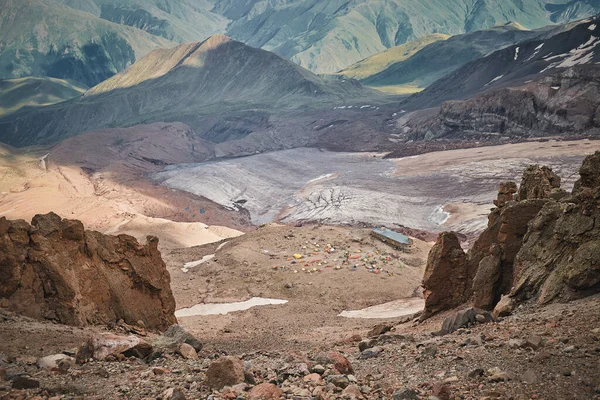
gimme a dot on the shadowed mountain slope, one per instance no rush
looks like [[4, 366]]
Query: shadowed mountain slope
[[216, 76], [42, 38], [35, 92], [515, 65], [444, 57]]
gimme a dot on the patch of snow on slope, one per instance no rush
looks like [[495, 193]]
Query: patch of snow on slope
[[536, 52], [494, 80], [592, 27], [517, 53], [581, 55]]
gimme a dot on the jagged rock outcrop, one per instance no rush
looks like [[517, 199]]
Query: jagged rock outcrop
[[446, 280], [493, 254], [545, 246], [55, 269], [538, 183], [560, 257], [506, 193]]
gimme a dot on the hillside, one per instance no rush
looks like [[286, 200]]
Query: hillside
[[444, 57], [35, 92], [184, 84], [381, 61], [43, 38], [180, 21], [327, 36], [515, 65]]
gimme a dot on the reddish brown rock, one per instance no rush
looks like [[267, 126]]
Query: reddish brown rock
[[55, 269], [446, 280], [188, 352], [340, 362], [506, 193], [225, 371], [265, 391], [538, 183]]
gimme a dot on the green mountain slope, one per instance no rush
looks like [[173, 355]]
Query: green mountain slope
[[442, 58], [381, 61], [43, 38], [326, 36], [180, 21], [35, 92]]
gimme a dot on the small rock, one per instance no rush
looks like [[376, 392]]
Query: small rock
[[313, 378], [265, 391], [100, 347], [225, 371], [50, 362], [532, 342], [504, 308], [405, 394], [3, 375], [480, 318], [370, 353], [442, 390], [515, 343], [341, 363], [366, 344], [160, 371], [173, 394], [319, 369], [188, 352], [451, 379], [430, 350], [530, 376], [569, 349], [338, 380], [477, 372], [499, 376], [24, 382], [352, 392], [379, 330]]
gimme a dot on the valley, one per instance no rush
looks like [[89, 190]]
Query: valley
[[299, 200]]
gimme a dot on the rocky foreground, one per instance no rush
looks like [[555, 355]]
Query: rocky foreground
[[516, 317], [551, 352]]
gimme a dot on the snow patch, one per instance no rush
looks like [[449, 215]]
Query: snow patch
[[494, 80], [226, 308], [393, 309], [188, 265], [517, 53], [592, 27]]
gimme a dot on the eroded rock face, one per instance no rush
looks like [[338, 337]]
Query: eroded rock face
[[446, 281], [560, 257], [538, 183], [55, 269], [543, 245], [493, 254]]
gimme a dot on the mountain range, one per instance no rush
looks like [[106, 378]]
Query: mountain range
[[91, 40], [186, 83]]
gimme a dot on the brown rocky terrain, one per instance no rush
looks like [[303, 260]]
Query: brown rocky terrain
[[558, 104], [539, 349], [56, 270]]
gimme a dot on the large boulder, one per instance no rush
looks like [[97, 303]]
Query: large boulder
[[446, 281], [57, 270]]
